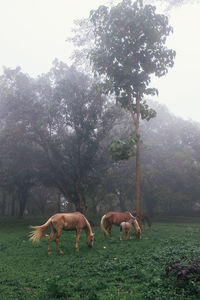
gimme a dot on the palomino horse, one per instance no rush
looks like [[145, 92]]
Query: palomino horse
[[125, 227], [116, 218], [58, 222]]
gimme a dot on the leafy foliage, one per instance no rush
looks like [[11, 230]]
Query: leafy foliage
[[130, 45], [185, 271], [60, 120], [123, 150]]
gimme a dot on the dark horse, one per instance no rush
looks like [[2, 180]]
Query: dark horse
[[116, 218], [144, 218], [71, 221]]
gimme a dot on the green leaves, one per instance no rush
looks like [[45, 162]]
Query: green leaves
[[130, 45], [146, 112], [123, 150]]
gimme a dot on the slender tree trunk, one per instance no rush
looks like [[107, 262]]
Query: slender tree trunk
[[58, 202], [138, 172], [136, 121], [13, 205], [121, 203], [80, 200], [3, 206], [83, 206], [23, 196]]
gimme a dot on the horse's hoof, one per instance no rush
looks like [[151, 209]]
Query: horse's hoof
[[61, 252]]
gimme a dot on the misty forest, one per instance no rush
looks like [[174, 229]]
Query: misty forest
[[90, 137], [57, 133], [68, 138]]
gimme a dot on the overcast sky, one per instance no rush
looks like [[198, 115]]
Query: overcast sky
[[33, 33]]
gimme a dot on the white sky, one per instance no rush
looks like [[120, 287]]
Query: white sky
[[33, 34]]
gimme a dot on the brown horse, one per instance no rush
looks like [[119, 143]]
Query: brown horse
[[116, 218], [58, 222]]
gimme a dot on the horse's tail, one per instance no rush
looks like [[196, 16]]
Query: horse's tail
[[38, 232], [102, 225]]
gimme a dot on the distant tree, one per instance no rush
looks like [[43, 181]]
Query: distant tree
[[17, 152], [77, 121], [171, 163], [129, 46], [52, 131]]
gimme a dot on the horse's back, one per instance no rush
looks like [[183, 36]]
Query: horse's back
[[69, 220], [118, 217]]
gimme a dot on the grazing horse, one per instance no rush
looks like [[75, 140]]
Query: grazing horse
[[58, 222], [144, 218], [116, 218], [125, 227]]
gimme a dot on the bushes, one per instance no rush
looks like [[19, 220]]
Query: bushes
[[186, 275]]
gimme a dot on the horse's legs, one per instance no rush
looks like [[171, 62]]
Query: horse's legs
[[50, 238], [106, 227], [58, 233], [129, 233], [121, 232], [78, 231], [109, 230], [126, 234]]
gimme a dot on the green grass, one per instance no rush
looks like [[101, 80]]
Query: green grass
[[110, 270]]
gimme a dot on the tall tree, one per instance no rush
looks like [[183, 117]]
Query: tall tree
[[77, 120], [130, 46], [17, 152]]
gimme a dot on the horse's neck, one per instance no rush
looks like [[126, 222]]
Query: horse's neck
[[135, 224]]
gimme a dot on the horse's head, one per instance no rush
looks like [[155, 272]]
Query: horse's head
[[138, 233], [90, 240], [137, 228]]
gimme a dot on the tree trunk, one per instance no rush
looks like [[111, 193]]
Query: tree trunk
[[58, 202], [121, 202], [81, 207], [136, 119], [138, 175], [23, 197], [80, 203], [3, 206], [13, 204]]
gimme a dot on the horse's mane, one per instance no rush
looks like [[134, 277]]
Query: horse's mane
[[88, 224]]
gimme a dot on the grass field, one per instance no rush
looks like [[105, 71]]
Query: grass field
[[110, 270]]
